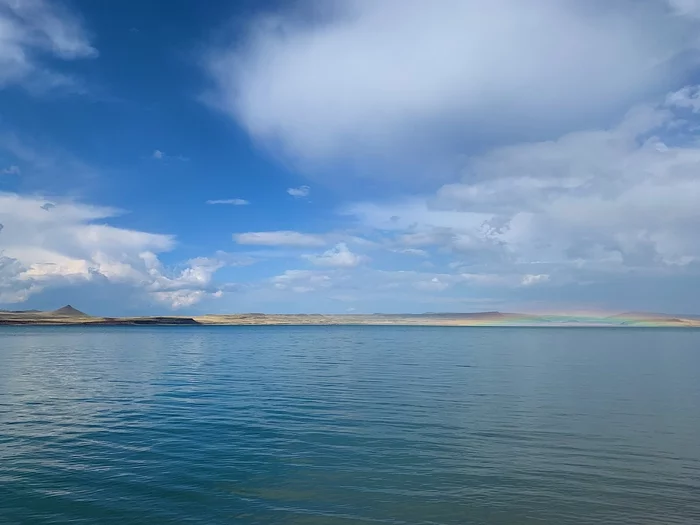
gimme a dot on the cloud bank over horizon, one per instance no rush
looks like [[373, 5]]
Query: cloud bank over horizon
[[65, 245]]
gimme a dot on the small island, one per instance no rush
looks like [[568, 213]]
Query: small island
[[70, 316]]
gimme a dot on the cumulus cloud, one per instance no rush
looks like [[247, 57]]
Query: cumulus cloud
[[339, 257], [280, 238], [13, 289], [32, 31], [617, 199], [232, 202], [184, 298], [157, 154], [687, 98], [407, 79], [300, 192], [529, 280], [185, 287], [41, 250]]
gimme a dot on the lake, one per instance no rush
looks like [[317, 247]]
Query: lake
[[349, 425]]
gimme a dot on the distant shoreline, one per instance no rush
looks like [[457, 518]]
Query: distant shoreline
[[68, 316], [355, 325]]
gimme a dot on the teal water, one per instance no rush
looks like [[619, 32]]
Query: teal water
[[349, 425]]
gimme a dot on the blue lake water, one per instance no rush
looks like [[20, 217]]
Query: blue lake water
[[349, 425]]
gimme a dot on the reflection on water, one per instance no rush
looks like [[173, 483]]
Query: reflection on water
[[341, 425]]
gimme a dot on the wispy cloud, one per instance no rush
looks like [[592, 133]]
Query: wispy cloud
[[46, 167], [161, 155], [11, 170], [411, 251], [232, 202], [34, 30], [302, 281], [300, 192], [339, 256], [279, 238], [532, 279]]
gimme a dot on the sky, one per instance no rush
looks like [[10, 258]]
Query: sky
[[350, 156]]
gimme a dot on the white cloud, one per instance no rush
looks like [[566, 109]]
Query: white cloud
[[32, 30], [488, 279], [687, 97], [279, 238], [300, 192], [339, 257], [529, 280], [233, 202], [161, 155], [613, 199], [405, 288], [184, 298], [301, 281], [432, 285], [12, 288], [518, 114], [407, 79], [440, 282], [685, 7], [412, 251], [11, 170], [41, 250], [186, 287]]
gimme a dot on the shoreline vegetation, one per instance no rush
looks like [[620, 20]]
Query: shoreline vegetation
[[69, 316]]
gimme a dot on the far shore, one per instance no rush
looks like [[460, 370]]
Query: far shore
[[68, 316]]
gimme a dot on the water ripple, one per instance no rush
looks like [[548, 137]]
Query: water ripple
[[343, 425]]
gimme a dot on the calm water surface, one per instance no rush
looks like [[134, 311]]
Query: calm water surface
[[343, 425]]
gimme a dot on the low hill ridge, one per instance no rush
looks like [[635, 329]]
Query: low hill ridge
[[69, 311], [68, 315]]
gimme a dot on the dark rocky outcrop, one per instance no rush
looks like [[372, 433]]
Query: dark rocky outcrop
[[154, 321]]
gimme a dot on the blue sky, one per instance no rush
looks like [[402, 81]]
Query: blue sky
[[349, 156]]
